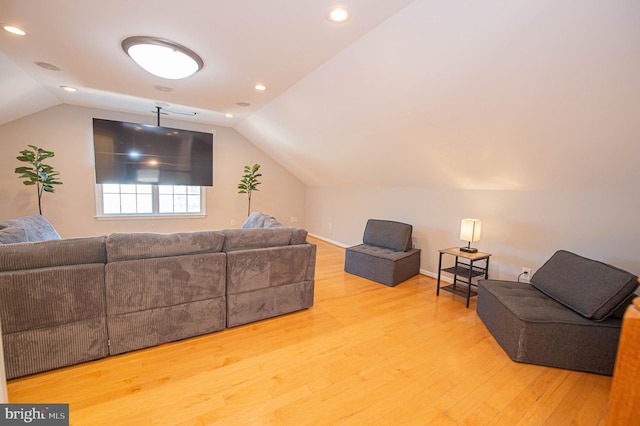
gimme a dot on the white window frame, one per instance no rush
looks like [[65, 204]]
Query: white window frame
[[155, 214]]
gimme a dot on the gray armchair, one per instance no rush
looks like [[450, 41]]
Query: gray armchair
[[568, 317], [386, 255]]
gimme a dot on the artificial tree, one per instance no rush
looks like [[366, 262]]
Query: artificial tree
[[249, 182], [43, 176]]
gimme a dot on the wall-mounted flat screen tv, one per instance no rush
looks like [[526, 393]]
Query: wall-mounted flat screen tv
[[132, 153]]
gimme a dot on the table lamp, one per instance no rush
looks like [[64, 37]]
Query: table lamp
[[470, 231]]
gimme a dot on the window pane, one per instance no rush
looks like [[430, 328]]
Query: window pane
[[179, 189], [144, 189], [111, 203], [128, 189], [194, 204], [165, 189], [193, 190], [165, 203], [145, 203], [180, 203], [110, 188], [128, 203]]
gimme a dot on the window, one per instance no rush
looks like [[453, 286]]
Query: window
[[147, 200]]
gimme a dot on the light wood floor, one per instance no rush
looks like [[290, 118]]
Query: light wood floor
[[365, 354]]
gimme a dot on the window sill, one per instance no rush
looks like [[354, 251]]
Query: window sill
[[151, 216]]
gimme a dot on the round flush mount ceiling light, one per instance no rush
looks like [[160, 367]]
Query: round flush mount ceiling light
[[47, 66], [162, 58], [14, 30], [338, 15]]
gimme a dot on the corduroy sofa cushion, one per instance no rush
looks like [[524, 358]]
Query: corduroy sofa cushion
[[254, 238], [51, 253], [591, 288], [147, 245]]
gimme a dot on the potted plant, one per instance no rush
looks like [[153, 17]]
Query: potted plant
[[42, 175], [249, 182]]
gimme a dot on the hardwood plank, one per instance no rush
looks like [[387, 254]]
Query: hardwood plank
[[364, 354]]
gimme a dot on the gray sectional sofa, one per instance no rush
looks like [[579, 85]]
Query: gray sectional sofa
[[66, 301], [568, 317]]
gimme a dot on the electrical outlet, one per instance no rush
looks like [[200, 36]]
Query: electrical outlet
[[294, 219], [233, 222], [525, 275]]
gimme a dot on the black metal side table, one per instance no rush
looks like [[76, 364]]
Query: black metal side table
[[463, 272]]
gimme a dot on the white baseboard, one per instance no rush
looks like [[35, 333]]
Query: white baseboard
[[335, 243]]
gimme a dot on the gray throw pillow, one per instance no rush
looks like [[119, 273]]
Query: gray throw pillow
[[255, 220], [37, 227], [13, 235]]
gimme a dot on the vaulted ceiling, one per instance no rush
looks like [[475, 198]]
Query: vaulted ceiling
[[521, 95]]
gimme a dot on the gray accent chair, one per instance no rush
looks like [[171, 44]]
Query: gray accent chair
[[386, 255], [568, 317]]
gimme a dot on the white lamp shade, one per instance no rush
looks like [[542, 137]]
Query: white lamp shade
[[470, 230]]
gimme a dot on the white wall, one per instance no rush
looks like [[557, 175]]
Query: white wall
[[67, 130], [520, 228]]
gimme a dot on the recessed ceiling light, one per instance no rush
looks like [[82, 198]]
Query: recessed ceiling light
[[338, 14], [69, 88], [243, 104], [47, 66], [228, 115], [14, 30], [162, 58], [261, 87], [163, 88]]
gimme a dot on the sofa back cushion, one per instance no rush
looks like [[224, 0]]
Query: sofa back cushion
[[591, 288], [388, 234], [36, 227], [45, 254], [250, 238], [146, 245]]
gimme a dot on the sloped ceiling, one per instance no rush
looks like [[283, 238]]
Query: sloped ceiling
[[522, 95], [519, 95]]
